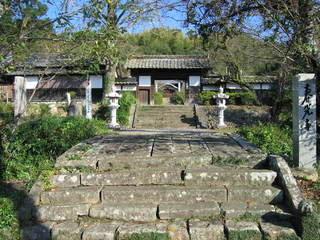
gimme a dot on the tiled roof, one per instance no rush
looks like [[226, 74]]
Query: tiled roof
[[259, 79], [169, 62]]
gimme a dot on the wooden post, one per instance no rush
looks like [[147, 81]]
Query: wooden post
[[20, 97]]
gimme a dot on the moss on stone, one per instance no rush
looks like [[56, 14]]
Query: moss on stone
[[244, 235]]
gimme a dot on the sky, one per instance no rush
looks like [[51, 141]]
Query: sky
[[173, 19]]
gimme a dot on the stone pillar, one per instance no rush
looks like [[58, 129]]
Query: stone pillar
[[113, 105], [68, 96], [20, 97], [89, 100], [304, 121], [221, 101]]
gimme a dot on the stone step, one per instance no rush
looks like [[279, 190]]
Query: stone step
[[213, 176], [209, 176], [145, 212], [162, 194], [170, 211], [134, 177], [182, 160], [194, 229], [68, 196]]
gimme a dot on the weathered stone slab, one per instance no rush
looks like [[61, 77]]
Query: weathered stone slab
[[168, 211], [228, 176], [133, 177], [272, 231], [66, 231], [243, 230], [60, 213], [103, 231], [158, 194], [238, 209], [65, 180], [178, 231], [145, 212], [126, 230], [181, 160], [249, 147], [255, 194], [202, 230], [71, 196], [90, 163], [287, 181]]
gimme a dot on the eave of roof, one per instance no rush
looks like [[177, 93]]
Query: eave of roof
[[169, 62]]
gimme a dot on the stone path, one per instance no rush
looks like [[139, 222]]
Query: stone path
[[165, 117], [181, 184]]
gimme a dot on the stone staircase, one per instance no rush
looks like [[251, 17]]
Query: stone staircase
[[164, 117], [176, 185]]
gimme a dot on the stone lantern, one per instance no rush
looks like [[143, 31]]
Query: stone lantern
[[221, 101], [114, 105]]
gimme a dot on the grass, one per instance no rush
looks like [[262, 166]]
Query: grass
[[29, 154]]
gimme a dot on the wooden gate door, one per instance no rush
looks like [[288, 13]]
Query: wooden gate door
[[144, 96]]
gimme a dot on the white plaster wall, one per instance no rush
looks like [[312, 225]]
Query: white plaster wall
[[31, 82], [96, 81], [266, 86], [129, 88], [209, 88], [233, 86], [145, 81], [194, 81]]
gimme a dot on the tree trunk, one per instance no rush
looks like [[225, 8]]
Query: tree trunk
[[109, 78]]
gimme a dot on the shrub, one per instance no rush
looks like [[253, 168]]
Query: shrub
[[6, 112], [9, 225], [125, 102], [310, 226], [206, 97], [270, 138], [158, 98], [178, 98], [242, 98], [35, 144], [103, 111]]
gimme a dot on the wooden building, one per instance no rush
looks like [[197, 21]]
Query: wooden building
[[168, 74], [54, 76]]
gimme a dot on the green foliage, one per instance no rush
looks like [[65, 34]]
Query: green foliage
[[103, 111], [72, 94], [125, 102], [244, 235], [158, 98], [148, 236], [242, 98], [9, 226], [178, 98], [6, 112], [285, 236], [35, 144], [249, 217], [164, 41], [310, 226], [206, 97], [270, 138]]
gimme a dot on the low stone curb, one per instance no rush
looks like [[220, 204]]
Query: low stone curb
[[251, 148], [286, 181]]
